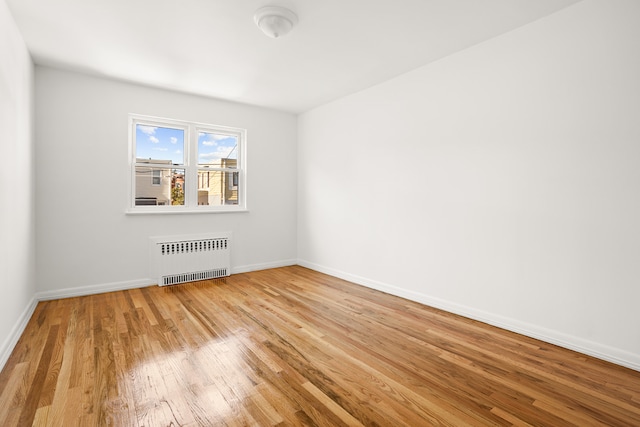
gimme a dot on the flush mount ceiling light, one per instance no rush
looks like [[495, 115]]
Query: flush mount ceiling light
[[275, 21]]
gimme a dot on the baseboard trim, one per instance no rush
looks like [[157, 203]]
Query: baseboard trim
[[18, 329], [590, 348], [263, 266], [93, 289]]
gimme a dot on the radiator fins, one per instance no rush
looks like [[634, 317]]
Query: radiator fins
[[192, 277]]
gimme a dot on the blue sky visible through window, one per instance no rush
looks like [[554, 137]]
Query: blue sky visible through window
[[162, 143], [213, 147], [159, 143]]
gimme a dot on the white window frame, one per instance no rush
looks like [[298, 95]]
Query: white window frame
[[190, 166]]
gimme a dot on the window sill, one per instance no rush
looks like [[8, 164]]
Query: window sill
[[174, 211]]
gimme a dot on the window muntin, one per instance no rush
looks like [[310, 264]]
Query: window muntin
[[210, 172]]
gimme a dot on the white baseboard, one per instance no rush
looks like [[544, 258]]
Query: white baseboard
[[93, 289], [263, 266], [9, 344], [591, 348]]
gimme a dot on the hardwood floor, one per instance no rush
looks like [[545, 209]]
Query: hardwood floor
[[290, 346]]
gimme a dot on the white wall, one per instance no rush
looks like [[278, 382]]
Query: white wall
[[502, 182], [17, 219], [85, 241]]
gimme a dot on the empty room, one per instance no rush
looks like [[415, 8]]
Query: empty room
[[320, 213]]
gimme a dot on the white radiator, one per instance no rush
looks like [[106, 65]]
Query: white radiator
[[181, 259]]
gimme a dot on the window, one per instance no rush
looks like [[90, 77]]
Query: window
[[180, 166]]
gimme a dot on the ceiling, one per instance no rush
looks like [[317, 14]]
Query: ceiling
[[213, 48]]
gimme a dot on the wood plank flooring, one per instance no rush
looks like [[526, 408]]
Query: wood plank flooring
[[290, 346]]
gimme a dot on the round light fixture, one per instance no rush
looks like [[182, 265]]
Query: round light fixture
[[275, 21]]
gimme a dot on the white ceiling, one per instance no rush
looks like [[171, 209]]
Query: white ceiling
[[213, 48]]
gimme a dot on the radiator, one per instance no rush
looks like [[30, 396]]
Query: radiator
[[181, 259]]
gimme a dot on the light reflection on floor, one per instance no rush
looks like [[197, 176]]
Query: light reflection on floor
[[204, 384]]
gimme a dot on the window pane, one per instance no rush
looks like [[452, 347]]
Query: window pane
[[217, 188], [154, 143], [159, 186], [217, 150]]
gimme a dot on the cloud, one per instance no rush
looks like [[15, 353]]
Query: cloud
[[208, 156], [214, 138], [160, 149], [174, 140], [219, 153], [149, 130], [154, 139]]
